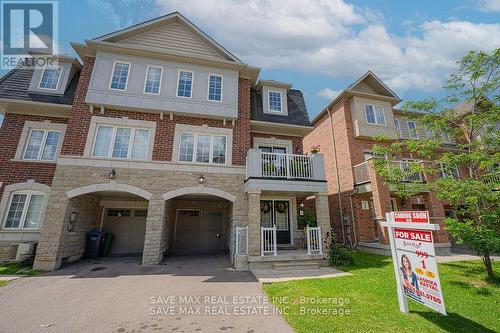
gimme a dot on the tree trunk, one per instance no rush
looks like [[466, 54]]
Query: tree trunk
[[487, 264]]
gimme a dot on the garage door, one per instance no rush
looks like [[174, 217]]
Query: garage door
[[128, 227], [198, 231]]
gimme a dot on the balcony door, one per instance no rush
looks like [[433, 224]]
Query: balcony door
[[276, 213]]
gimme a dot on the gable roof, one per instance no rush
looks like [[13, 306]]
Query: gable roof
[[367, 85], [167, 28]]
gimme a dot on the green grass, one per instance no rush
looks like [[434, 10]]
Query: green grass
[[472, 303], [2, 283], [18, 268]]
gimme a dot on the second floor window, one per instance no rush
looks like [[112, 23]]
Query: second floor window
[[374, 114], [121, 142], [184, 84], [446, 137], [412, 129], [274, 101], [24, 210], [42, 145], [397, 123], [448, 171], [50, 78], [153, 80], [214, 87], [120, 76], [202, 148]]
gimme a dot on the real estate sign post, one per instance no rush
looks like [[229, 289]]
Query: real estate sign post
[[415, 268]]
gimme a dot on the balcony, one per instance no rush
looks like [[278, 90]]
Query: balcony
[[285, 172], [362, 172]]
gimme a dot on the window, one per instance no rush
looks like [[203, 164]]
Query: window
[[202, 148], [429, 133], [119, 212], [50, 78], [42, 145], [412, 129], [185, 84], [446, 137], [24, 210], [214, 87], [120, 76], [448, 171], [274, 101], [153, 80], [397, 123], [121, 142], [374, 114]]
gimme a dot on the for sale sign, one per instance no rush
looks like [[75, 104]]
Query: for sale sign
[[415, 259]]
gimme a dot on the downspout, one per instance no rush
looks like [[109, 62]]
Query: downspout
[[355, 191], [334, 146]]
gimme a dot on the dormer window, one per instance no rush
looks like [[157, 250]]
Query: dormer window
[[120, 76], [275, 101], [50, 78]]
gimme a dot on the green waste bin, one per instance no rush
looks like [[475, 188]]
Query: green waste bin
[[107, 243]]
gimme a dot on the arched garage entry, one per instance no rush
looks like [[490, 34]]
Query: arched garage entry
[[119, 209], [200, 220]]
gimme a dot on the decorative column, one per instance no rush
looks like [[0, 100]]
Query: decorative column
[[323, 218], [381, 196], [155, 238], [254, 222]]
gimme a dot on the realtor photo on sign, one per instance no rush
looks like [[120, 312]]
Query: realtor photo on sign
[[309, 166]]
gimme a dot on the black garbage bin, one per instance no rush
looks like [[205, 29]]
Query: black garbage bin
[[95, 243]]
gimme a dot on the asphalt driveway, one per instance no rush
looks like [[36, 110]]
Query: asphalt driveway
[[185, 294]]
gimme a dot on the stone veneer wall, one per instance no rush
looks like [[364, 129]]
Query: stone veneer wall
[[54, 238]]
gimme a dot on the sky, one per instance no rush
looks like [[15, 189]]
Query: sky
[[319, 46]]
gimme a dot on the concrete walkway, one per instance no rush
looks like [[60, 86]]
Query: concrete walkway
[[187, 294], [272, 275], [462, 257]]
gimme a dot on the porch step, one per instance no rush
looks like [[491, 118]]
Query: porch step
[[293, 266]]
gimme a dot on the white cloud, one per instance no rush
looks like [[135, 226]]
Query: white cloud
[[489, 5], [328, 93], [337, 39]]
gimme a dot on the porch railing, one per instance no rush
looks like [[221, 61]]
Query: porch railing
[[241, 240], [361, 174], [268, 244], [314, 240], [287, 166]]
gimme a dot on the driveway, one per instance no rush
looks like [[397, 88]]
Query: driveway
[[185, 294]]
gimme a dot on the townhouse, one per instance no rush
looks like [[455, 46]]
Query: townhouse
[[359, 198], [162, 137]]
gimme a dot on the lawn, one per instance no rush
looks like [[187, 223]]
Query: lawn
[[18, 268], [473, 305], [2, 283]]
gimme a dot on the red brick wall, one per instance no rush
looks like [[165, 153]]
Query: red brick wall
[[12, 172], [296, 140], [78, 125]]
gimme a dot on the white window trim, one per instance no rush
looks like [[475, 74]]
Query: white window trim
[[287, 144], [208, 87], [29, 194], [58, 79], [113, 71], [112, 145], [445, 173], [409, 130], [42, 126], [397, 124], [195, 147], [12, 189], [374, 114], [269, 101], [97, 121], [42, 145], [146, 80], [204, 129], [177, 86]]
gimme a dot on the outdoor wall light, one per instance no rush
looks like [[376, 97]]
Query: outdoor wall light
[[112, 174], [201, 180]]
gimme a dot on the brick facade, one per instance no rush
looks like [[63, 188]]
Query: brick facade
[[12, 172]]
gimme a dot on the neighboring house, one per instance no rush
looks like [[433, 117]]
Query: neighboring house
[[171, 143], [359, 198]]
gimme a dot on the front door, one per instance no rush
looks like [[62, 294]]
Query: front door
[[277, 213]]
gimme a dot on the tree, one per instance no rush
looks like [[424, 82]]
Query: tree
[[470, 115]]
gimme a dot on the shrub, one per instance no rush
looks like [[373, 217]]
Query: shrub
[[339, 255], [307, 219]]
